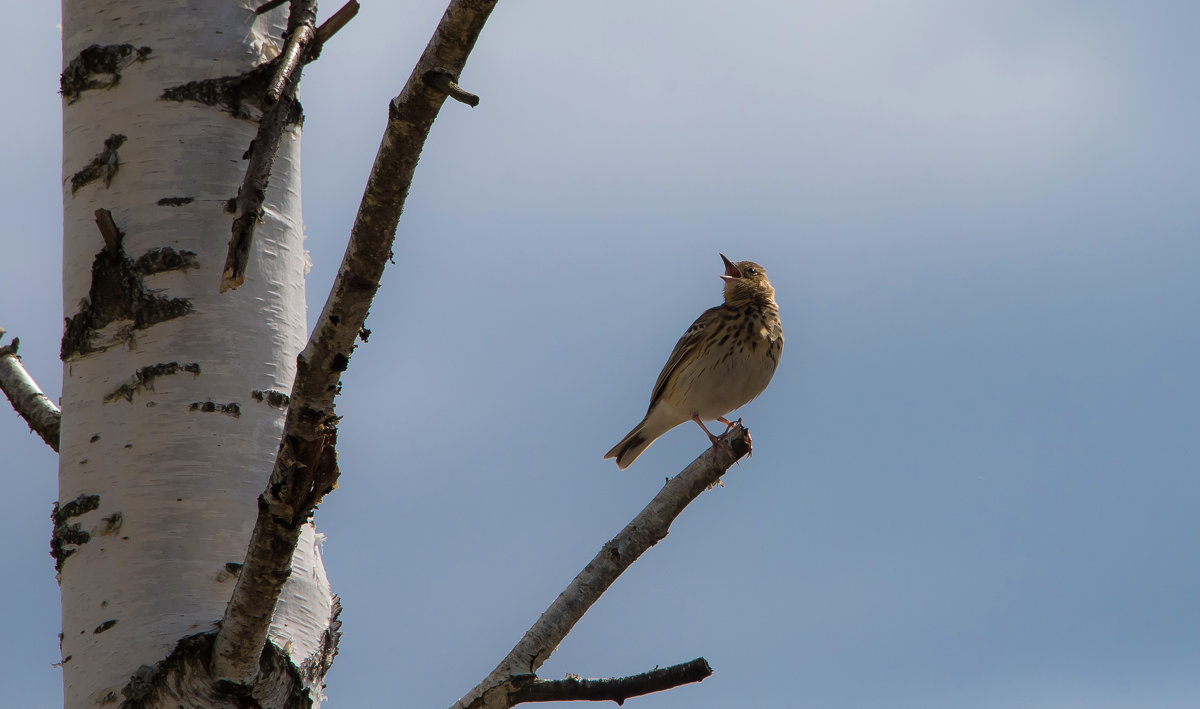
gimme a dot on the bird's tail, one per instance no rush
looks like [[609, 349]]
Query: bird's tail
[[632, 445]]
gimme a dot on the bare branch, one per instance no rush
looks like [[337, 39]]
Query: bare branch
[[647, 529], [289, 61], [331, 26], [445, 83], [26, 397], [306, 467], [108, 229], [614, 689], [265, 146], [268, 6]]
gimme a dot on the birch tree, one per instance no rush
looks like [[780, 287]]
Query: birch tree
[[197, 431]]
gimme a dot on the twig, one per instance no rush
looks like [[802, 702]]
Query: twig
[[331, 26], [268, 6], [26, 396], [647, 529], [108, 229], [264, 148], [305, 466], [442, 81], [615, 689]]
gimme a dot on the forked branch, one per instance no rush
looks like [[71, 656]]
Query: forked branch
[[305, 467], [500, 688]]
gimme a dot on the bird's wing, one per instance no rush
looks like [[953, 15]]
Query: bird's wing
[[684, 349]]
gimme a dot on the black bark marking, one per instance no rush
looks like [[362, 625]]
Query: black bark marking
[[271, 397], [239, 94], [118, 294], [102, 167], [211, 407], [111, 525], [144, 379], [183, 673], [165, 259], [98, 67], [66, 538], [104, 626], [175, 201]]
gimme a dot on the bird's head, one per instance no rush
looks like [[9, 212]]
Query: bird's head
[[745, 282]]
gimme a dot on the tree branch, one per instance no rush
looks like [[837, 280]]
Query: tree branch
[[441, 81], [281, 99], [305, 467], [109, 231], [289, 61], [615, 689], [649, 527], [331, 26], [26, 397]]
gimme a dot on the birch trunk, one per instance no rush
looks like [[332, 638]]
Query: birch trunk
[[173, 392]]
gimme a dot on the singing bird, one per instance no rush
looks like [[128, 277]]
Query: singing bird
[[725, 359]]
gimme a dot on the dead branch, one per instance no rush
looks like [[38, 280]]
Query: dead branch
[[612, 689], [26, 396], [268, 6], [281, 99], [650, 526], [289, 61], [331, 26], [305, 468], [445, 83], [108, 230]]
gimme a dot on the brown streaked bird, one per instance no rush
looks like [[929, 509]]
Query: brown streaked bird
[[725, 359]]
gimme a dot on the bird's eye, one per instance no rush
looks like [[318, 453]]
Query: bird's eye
[[752, 271]]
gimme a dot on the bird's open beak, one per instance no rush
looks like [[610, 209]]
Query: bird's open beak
[[731, 271]]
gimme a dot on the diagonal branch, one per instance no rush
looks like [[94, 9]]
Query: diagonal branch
[[331, 27], [306, 467], [647, 529], [26, 397], [612, 689], [281, 99]]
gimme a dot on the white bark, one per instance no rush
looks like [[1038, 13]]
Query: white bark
[[164, 447], [27, 397]]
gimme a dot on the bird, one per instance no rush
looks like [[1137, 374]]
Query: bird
[[724, 360]]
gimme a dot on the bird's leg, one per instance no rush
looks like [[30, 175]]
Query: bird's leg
[[717, 442], [728, 424]]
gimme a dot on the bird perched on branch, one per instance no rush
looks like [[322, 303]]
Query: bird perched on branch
[[725, 359]]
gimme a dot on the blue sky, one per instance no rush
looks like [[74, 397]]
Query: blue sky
[[975, 480]]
